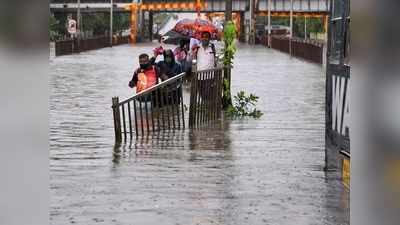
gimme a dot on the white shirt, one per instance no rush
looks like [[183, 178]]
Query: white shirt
[[205, 58], [193, 41]]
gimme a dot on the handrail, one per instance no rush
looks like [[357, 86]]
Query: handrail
[[206, 95], [163, 104], [213, 69], [146, 91]]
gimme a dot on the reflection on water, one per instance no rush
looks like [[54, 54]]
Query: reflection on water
[[265, 171]]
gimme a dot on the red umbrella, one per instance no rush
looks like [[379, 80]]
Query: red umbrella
[[194, 28]]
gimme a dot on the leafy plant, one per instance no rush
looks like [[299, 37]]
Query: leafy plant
[[314, 25], [229, 41], [229, 53], [53, 23], [244, 105]]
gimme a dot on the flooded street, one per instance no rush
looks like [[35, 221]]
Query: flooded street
[[251, 171]]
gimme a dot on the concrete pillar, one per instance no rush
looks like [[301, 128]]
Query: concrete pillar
[[111, 23], [140, 25], [242, 35], [269, 24], [305, 27], [291, 27], [228, 10], [252, 22], [151, 25], [246, 29]]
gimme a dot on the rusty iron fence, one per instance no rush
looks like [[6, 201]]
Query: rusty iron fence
[[157, 108], [161, 107], [303, 48], [70, 46], [205, 96]]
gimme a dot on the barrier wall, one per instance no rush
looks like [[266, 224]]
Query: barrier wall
[[303, 48], [70, 46]]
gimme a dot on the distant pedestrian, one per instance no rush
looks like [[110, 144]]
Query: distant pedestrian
[[194, 43], [181, 54]]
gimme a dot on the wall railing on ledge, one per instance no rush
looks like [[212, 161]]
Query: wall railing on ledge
[[303, 48], [70, 46]]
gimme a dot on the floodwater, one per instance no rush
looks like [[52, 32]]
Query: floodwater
[[236, 172]]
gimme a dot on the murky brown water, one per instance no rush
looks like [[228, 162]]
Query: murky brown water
[[265, 171]]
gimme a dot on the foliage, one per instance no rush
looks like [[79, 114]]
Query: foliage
[[53, 23], [121, 22], [244, 105], [229, 53], [229, 41], [314, 25], [98, 23]]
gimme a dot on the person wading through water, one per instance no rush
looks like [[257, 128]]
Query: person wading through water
[[168, 69], [145, 76], [181, 54], [205, 55]]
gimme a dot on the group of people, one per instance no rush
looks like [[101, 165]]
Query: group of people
[[175, 62]]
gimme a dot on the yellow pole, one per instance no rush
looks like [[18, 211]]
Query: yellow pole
[[134, 12], [198, 7], [326, 24]]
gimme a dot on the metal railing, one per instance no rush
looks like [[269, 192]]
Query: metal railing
[[206, 96], [157, 108], [303, 48], [70, 46], [161, 107]]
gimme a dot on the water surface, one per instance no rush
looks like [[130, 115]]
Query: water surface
[[250, 171]]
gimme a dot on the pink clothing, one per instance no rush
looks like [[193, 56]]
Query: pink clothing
[[180, 54]]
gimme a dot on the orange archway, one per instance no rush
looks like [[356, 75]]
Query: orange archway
[[135, 7]]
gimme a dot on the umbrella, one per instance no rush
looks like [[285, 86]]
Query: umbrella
[[194, 28], [173, 37]]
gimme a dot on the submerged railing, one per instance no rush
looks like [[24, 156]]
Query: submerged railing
[[161, 107], [157, 108], [206, 96]]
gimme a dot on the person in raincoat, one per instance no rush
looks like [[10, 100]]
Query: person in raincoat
[[169, 68], [145, 76]]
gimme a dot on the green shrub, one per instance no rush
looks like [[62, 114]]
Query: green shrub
[[244, 105]]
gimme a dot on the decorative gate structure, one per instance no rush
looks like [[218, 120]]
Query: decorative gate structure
[[161, 107]]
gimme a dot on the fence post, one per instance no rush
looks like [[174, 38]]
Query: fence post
[[117, 120], [193, 94], [226, 88]]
